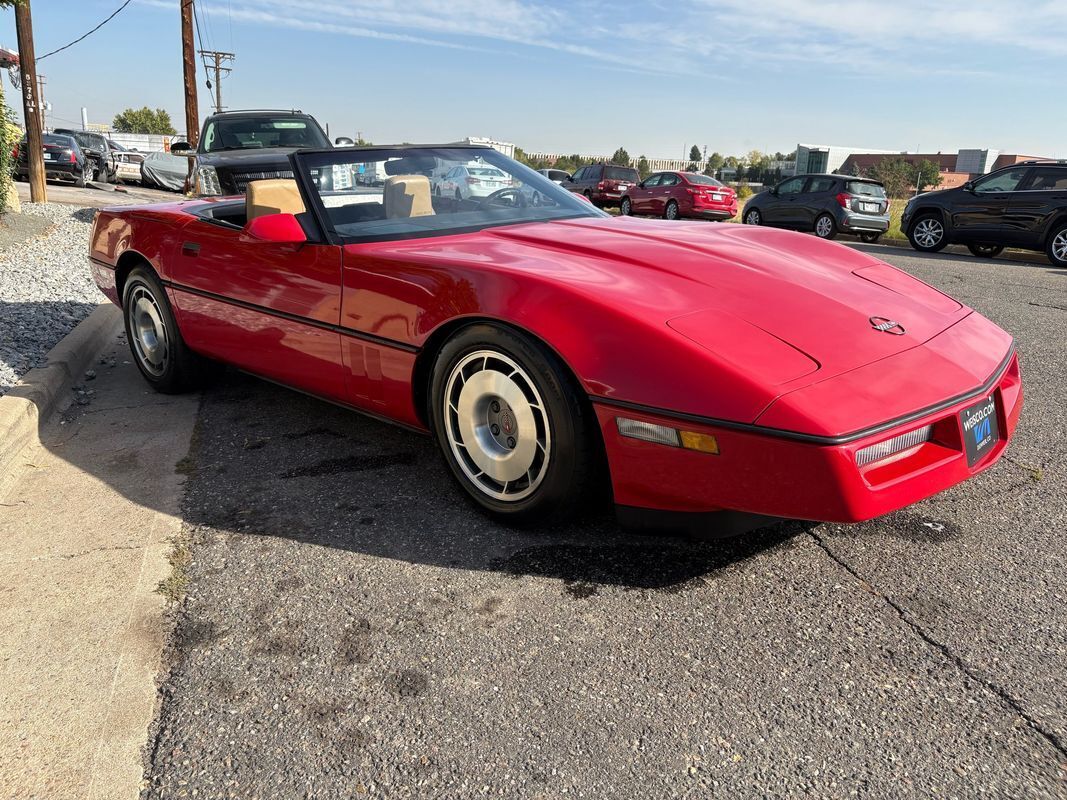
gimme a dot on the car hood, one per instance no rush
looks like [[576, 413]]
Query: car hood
[[247, 159], [817, 297]]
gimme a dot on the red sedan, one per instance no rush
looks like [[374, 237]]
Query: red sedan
[[681, 195], [720, 376]]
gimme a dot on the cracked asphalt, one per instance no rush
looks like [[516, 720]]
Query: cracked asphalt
[[352, 627]]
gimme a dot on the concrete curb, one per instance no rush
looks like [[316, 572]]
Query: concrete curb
[[33, 399], [1038, 259]]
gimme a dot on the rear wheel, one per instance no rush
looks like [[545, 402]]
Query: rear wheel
[[105, 177], [626, 209], [511, 424], [825, 227], [985, 250], [156, 343], [753, 217], [1057, 246], [671, 211], [870, 238], [927, 234]]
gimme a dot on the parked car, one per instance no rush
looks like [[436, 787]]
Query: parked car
[[702, 369], [96, 147], [1023, 205], [63, 160], [602, 184], [825, 204], [681, 195], [168, 171], [127, 163], [557, 176], [240, 146], [471, 180]]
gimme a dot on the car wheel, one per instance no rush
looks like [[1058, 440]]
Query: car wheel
[[511, 424], [753, 217], [156, 344], [459, 195], [671, 211], [825, 227], [626, 209], [105, 177], [927, 234], [79, 180], [1057, 246], [985, 250], [870, 238], [88, 173]]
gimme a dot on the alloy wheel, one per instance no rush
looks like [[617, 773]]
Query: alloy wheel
[[1059, 246], [148, 330], [496, 425], [824, 226], [672, 210], [626, 207], [753, 217], [928, 232]]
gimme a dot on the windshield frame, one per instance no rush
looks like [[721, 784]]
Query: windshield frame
[[304, 161]]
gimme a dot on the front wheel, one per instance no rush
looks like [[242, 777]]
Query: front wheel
[[985, 250], [156, 344], [671, 211], [870, 238], [510, 424], [825, 227], [626, 209], [1057, 246], [927, 234], [753, 217], [105, 176]]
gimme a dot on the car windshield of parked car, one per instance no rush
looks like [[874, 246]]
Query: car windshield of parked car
[[91, 141], [864, 189], [702, 180], [377, 194], [620, 174], [248, 133]]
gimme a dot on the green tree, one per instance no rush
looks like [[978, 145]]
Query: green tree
[[903, 178], [694, 153], [928, 175], [620, 156], [143, 120], [715, 161], [643, 168], [9, 137]]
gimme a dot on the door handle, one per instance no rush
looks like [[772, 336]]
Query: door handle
[[191, 249]]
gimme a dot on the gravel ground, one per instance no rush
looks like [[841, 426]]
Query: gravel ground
[[354, 628], [45, 289]]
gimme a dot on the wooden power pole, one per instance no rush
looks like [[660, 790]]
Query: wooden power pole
[[192, 110], [219, 70], [30, 103]]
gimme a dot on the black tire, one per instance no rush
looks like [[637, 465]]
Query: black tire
[[825, 227], [1057, 246], [459, 196], [670, 211], [565, 472], [626, 207], [985, 250], [870, 238], [79, 181], [752, 216], [179, 368], [927, 233], [104, 176]]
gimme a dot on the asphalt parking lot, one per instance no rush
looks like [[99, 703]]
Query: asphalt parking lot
[[352, 627]]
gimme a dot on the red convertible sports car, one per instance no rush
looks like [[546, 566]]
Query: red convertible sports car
[[722, 374]]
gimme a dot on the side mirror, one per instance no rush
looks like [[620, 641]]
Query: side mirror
[[569, 179], [344, 141], [774, 191], [276, 228], [968, 186]]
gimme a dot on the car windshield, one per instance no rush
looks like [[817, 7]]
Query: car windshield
[[90, 140], [620, 174], [248, 133], [380, 193], [56, 141], [864, 189], [702, 180]]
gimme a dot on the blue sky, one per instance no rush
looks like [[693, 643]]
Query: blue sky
[[591, 75]]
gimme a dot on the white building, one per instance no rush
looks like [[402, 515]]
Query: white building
[[826, 158]]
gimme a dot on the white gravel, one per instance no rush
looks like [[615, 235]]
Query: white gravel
[[45, 289]]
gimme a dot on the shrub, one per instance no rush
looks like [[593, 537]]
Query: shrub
[[9, 137], [744, 191]]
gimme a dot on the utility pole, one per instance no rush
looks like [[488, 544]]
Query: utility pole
[[30, 105], [192, 110], [219, 58], [42, 104]]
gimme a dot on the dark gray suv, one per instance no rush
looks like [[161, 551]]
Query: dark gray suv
[[825, 204]]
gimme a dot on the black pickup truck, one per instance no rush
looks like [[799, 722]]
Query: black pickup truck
[[237, 147]]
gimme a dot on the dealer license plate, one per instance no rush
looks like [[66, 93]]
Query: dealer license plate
[[981, 431]]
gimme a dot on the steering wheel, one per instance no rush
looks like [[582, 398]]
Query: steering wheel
[[510, 191]]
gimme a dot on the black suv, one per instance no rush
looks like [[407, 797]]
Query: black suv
[[602, 184], [1023, 205], [825, 204], [237, 147], [98, 149]]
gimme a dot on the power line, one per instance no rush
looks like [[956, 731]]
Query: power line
[[94, 30]]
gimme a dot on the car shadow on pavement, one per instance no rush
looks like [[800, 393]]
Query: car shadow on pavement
[[269, 462]]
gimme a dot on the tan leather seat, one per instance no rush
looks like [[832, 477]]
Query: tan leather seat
[[407, 196], [275, 196]]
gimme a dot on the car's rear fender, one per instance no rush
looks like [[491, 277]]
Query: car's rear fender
[[1057, 220]]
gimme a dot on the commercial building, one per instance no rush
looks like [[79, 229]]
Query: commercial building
[[955, 168]]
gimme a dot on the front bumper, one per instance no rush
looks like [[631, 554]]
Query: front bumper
[[775, 474]]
